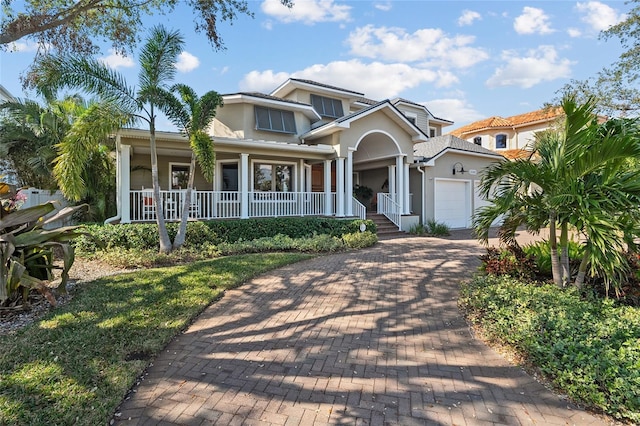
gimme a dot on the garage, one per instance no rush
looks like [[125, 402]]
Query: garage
[[452, 203]]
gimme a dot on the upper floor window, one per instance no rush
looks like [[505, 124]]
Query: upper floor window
[[413, 118], [327, 107], [478, 140], [276, 120], [501, 141], [432, 132]]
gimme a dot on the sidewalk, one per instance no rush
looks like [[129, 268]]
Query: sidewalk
[[371, 337]]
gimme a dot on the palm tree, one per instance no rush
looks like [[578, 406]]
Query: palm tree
[[193, 115], [157, 70], [579, 179]]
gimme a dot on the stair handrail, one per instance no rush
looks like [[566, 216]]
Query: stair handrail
[[359, 210], [389, 208]]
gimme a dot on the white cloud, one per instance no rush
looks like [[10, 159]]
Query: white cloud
[[468, 17], [116, 60], [541, 64], [307, 11], [187, 62], [382, 81], [384, 6], [432, 46], [532, 21], [20, 46], [457, 110], [599, 16], [574, 32]]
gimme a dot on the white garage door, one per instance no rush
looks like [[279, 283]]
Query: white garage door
[[452, 203], [481, 202]]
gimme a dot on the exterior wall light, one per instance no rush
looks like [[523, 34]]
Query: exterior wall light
[[458, 168]]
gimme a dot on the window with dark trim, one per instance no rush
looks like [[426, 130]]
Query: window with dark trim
[[327, 107], [501, 141], [478, 140], [275, 120], [432, 132]]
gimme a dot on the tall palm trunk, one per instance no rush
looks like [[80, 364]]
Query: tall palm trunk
[[564, 253], [582, 270], [165, 241], [182, 230], [553, 243]]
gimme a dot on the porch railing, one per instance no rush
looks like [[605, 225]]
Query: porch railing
[[388, 207], [359, 209], [227, 205]]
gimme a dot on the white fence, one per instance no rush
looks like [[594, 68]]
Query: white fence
[[227, 205], [40, 196]]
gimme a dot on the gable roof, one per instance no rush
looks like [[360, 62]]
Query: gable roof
[[345, 121], [496, 122], [292, 83], [438, 145]]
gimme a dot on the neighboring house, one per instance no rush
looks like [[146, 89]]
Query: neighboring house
[[511, 136], [299, 151]]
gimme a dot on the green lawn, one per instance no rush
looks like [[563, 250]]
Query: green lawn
[[76, 364]]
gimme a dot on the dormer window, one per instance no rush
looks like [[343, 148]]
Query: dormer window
[[275, 120], [327, 107], [501, 141], [413, 118], [478, 140]]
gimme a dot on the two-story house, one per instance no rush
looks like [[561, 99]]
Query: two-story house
[[512, 136], [300, 150]]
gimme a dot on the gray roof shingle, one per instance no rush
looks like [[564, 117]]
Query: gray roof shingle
[[435, 145]]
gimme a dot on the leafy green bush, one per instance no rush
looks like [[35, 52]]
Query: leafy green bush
[[316, 244], [590, 349], [430, 228], [358, 240], [540, 251], [144, 236]]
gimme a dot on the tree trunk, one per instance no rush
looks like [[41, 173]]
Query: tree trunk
[[564, 254], [163, 235], [182, 230], [582, 270], [553, 244]]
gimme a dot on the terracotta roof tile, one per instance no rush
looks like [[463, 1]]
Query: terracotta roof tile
[[515, 120], [515, 154]]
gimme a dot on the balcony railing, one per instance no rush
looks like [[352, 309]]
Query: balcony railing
[[227, 205]]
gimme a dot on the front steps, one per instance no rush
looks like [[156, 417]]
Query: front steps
[[386, 228]]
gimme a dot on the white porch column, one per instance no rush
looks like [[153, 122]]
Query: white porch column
[[400, 182], [124, 186], [328, 207], [349, 185], [407, 198], [340, 187], [244, 186], [299, 188], [392, 182]]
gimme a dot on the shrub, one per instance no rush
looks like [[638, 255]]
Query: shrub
[[144, 236], [540, 251], [430, 228], [587, 347], [358, 240], [511, 261]]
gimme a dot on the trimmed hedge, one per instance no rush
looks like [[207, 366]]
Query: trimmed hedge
[[590, 348], [144, 236]]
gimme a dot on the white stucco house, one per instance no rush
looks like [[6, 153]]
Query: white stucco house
[[300, 150], [511, 136]]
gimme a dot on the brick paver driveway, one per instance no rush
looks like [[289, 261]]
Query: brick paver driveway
[[369, 337]]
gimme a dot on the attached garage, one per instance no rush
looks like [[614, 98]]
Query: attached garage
[[447, 173], [452, 202]]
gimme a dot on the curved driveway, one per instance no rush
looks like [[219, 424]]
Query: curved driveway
[[370, 337]]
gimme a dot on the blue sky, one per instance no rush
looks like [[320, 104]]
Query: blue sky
[[464, 60]]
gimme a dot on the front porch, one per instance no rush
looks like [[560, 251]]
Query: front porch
[[208, 205]]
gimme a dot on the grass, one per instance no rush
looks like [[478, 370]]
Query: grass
[[76, 364]]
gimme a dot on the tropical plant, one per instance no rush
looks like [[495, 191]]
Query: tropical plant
[[37, 140], [26, 249], [157, 69], [578, 180], [193, 115]]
